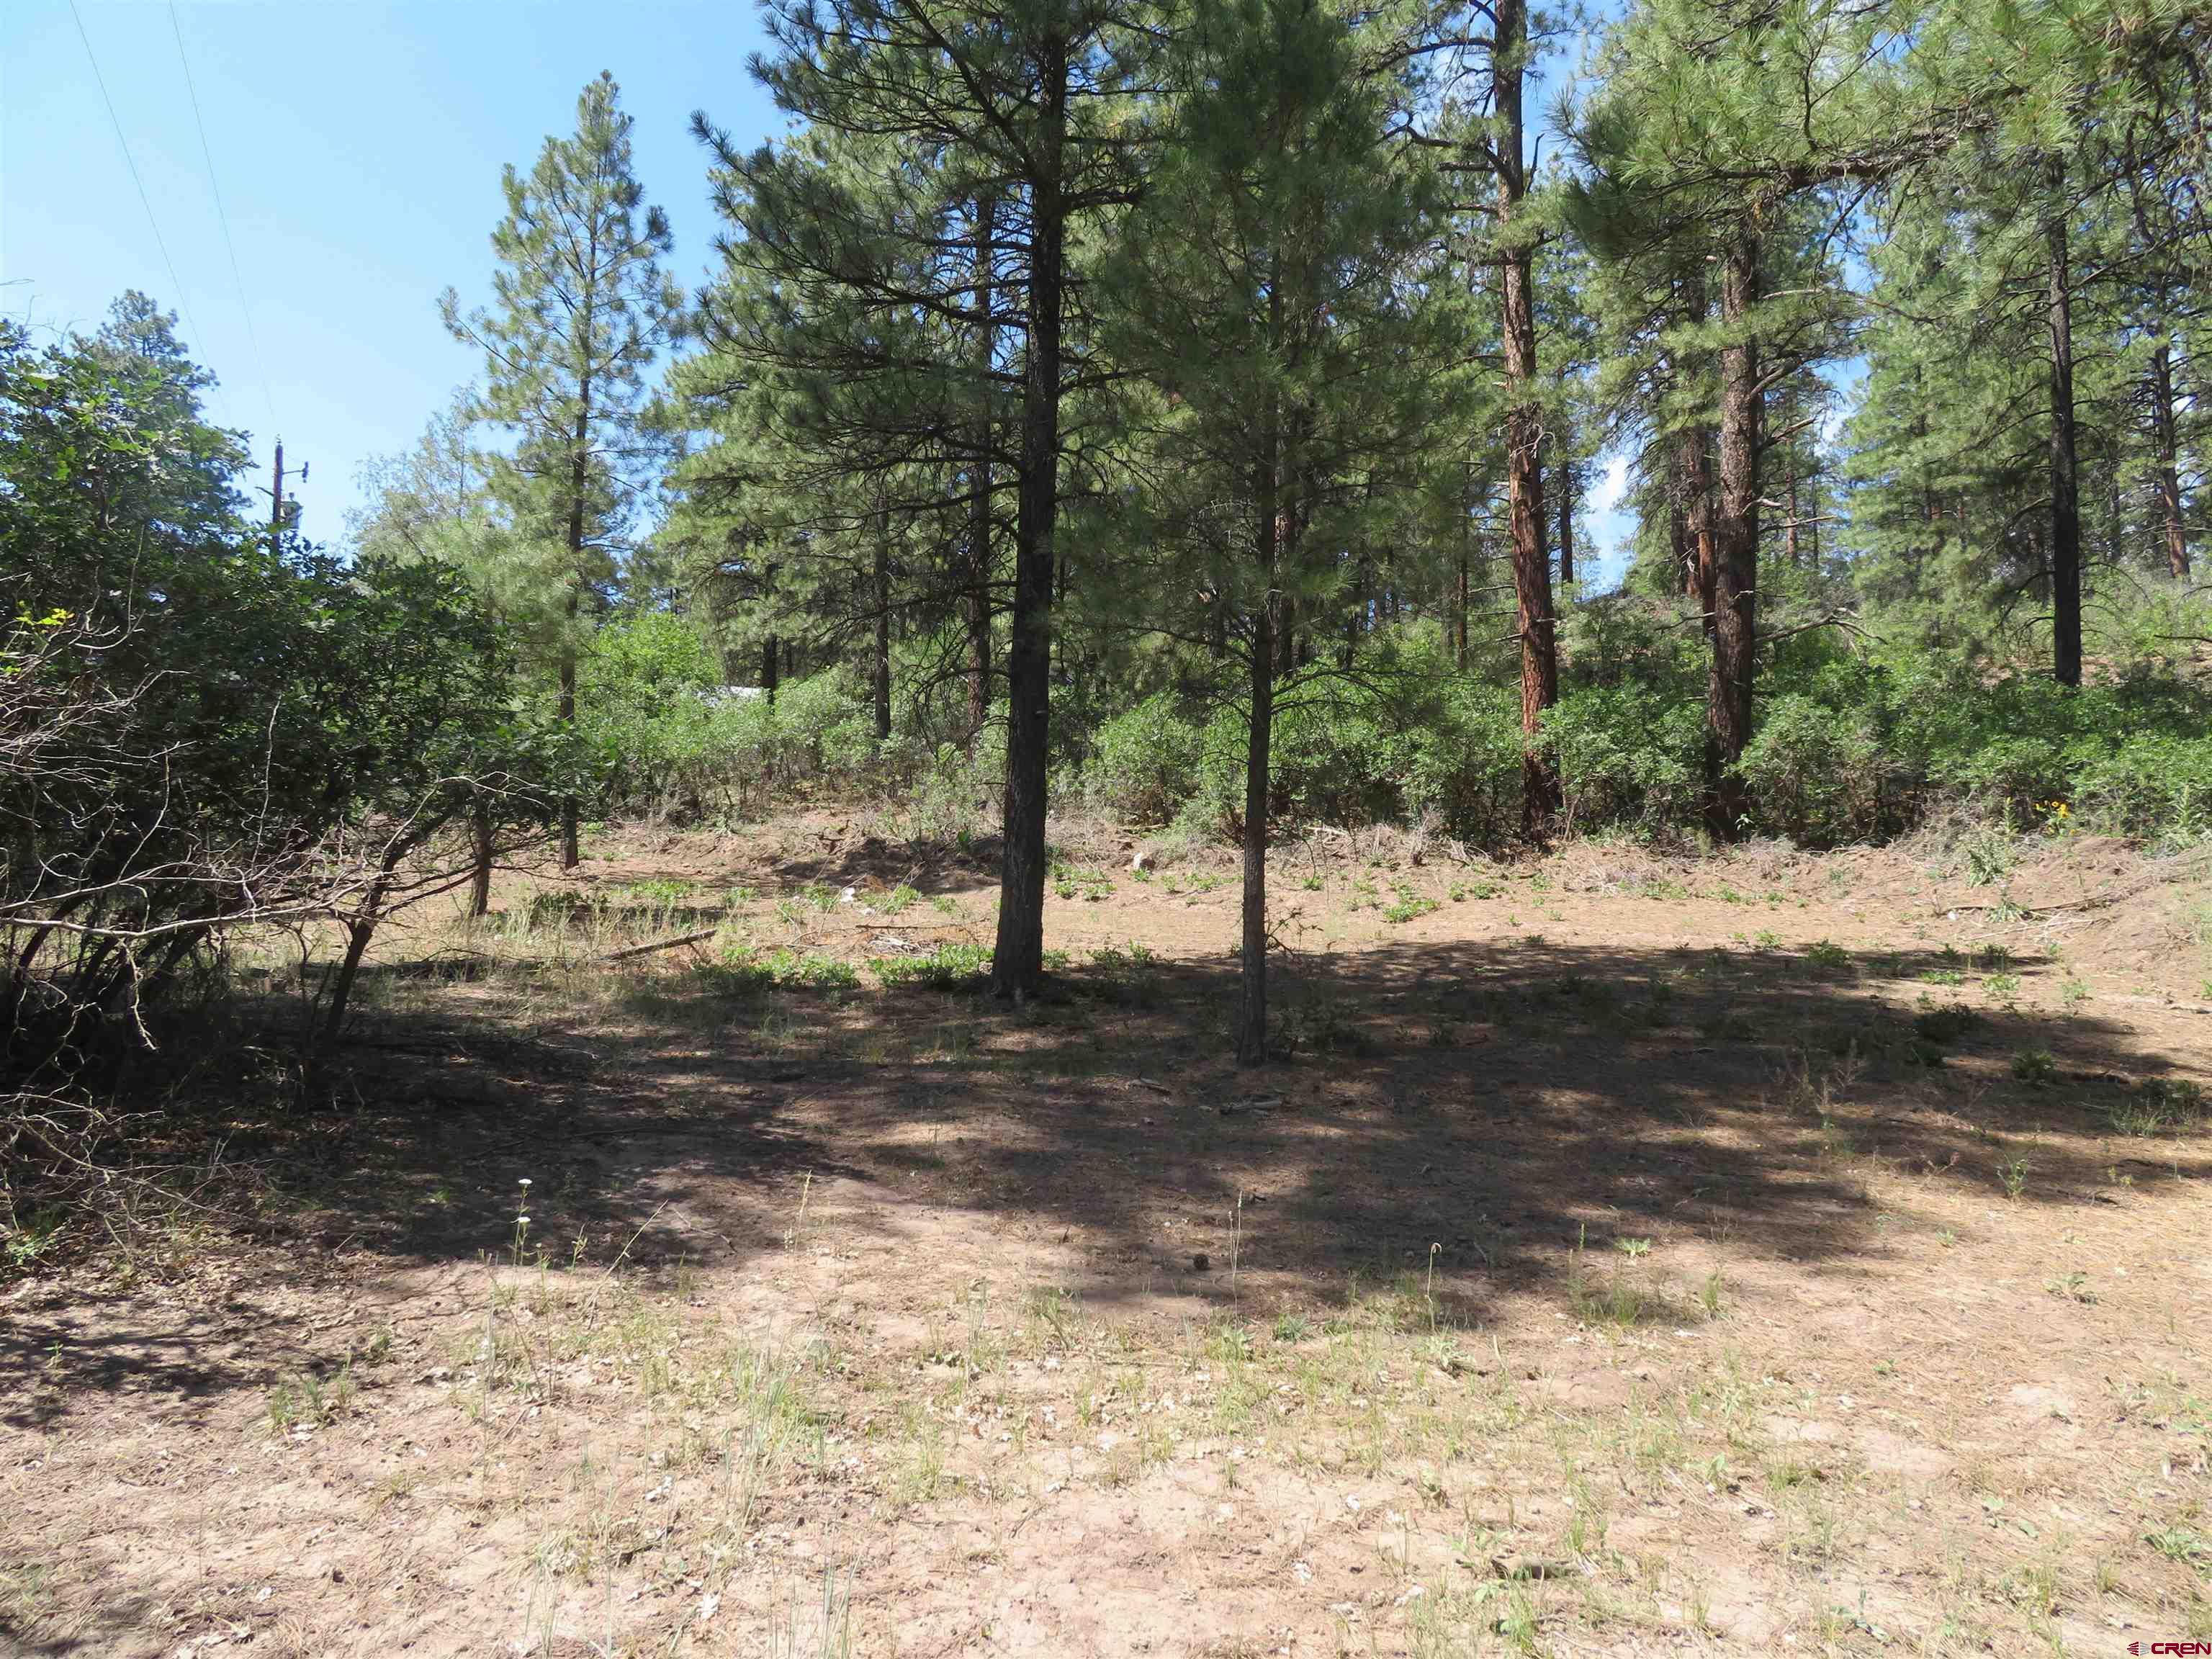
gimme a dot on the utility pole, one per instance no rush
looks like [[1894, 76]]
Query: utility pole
[[277, 523]]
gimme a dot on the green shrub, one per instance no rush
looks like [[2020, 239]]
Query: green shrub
[[1627, 756], [2161, 1106], [949, 967], [1815, 773], [955, 799], [740, 968], [1089, 886], [1144, 763], [1845, 747], [2153, 784], [1411, 737], [1408, 906]]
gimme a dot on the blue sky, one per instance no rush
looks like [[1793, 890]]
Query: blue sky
[[356, 149]]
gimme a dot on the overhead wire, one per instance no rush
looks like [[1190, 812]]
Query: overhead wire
[[183, 303], [237, 274]]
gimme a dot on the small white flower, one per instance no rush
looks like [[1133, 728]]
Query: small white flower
[[524, 1181]]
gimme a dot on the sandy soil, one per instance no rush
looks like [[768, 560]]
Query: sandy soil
[[1777, 1254]]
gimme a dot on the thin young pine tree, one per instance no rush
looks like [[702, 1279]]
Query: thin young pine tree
[[1263, 290], [581, 310]]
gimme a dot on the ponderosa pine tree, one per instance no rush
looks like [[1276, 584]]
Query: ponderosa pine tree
[[1019, 104], [1477, 103], [839, 486], [581, 311], [1573, 416], [2075, 181], [1524, 429], [1949, 454], [1712, 122], [1261, 288], [2024, 286]]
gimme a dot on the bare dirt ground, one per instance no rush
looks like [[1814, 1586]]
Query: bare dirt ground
[[1767, 1255]]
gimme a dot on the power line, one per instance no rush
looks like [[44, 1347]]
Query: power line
[[237, 276], [145, 201]]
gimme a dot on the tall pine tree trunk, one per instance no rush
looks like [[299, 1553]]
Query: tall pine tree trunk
[[1735, 542], [481, 844], [1459, 607], [1566, 520], [880, 677], [2169, 471], [1524, 478], [1680, 546], [1694, 473], [571, 853], [1017, 960], [2065, 463], [1268, 534], [979, 499], [1354, 613], [2115, 518], [579, 480], [1698, 507], [1789, 530]]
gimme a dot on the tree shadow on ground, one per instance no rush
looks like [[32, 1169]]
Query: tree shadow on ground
[[99, 1342], [117, 1625], [1499, 1108]]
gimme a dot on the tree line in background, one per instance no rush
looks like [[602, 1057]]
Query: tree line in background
[[1190, 412]]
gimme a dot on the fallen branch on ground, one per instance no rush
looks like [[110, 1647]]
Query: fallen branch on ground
[[629, 950]]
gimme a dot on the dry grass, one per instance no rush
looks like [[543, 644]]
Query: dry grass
[[1629, 1257]]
